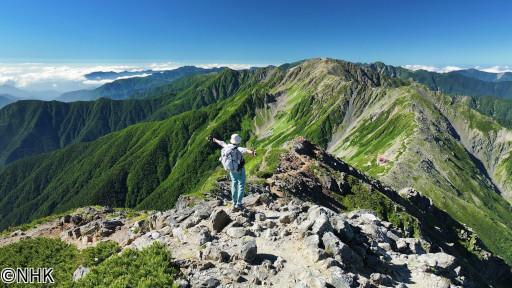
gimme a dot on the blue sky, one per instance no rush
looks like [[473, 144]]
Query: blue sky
[[397, 32]]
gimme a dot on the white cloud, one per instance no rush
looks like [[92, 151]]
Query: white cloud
[[104, 81], [24, 75], [444, 69], [229, 65], [65, 77], [164, 66], [495, 69]]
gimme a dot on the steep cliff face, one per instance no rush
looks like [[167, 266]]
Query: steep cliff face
[[483, 137]]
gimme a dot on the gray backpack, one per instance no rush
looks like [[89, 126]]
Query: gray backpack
[[231, 157]]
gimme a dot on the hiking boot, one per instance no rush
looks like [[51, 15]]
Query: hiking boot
[[235, 208]]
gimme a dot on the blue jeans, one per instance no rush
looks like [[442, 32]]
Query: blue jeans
[[237, 186]]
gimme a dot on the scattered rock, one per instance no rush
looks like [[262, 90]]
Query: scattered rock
[[433, 262], [285, 219], [76, 219], [206, 266], [260, 216], [335, 247], [321, 225], [252, 200], [210, 283], [104, 232], [111, 224], [66, 219], [236, 232], [339, 279], [214, 253], [166, 231], [248, 251], [80, 272], [381, 279], [204, 236], [181, 283], [343, 228]]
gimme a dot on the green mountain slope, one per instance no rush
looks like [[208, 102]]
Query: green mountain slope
[[35, 127], [32, 127], [388, 127], [497, 108]]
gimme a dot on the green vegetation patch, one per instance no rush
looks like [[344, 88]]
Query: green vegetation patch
[[150, 267], [363, 197], [375, 137], [42, 253]]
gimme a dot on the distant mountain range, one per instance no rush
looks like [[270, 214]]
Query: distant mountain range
[[6, 99], [125, 88], [463, 82], [19, 93], [112, 75], [484, 76]]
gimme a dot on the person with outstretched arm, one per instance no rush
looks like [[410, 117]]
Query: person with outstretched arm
[[233, 161]]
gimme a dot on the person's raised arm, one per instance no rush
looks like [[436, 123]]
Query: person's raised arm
[[249, 151], [219, 142]]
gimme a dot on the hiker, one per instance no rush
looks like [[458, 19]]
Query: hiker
[[233, 161]]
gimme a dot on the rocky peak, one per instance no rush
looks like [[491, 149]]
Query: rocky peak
[[296, 231]]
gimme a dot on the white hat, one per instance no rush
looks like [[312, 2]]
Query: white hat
[[235, 139]]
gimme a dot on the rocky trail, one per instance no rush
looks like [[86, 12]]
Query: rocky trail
[[277, 240]]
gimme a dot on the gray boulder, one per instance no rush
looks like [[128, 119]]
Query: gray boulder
[[76, 219], [204, 236], [104, 232], [210, 283], [342, 228], [321, 225], [339, 279], [311, 246], [248, 251], [111, 224], [236, 232], [214, 253], [219, 219], [285, 219], [335, 247], [433, 262], [381, 279]]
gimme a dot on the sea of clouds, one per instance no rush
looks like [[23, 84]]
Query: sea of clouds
[[67, 77], [446, 69]]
